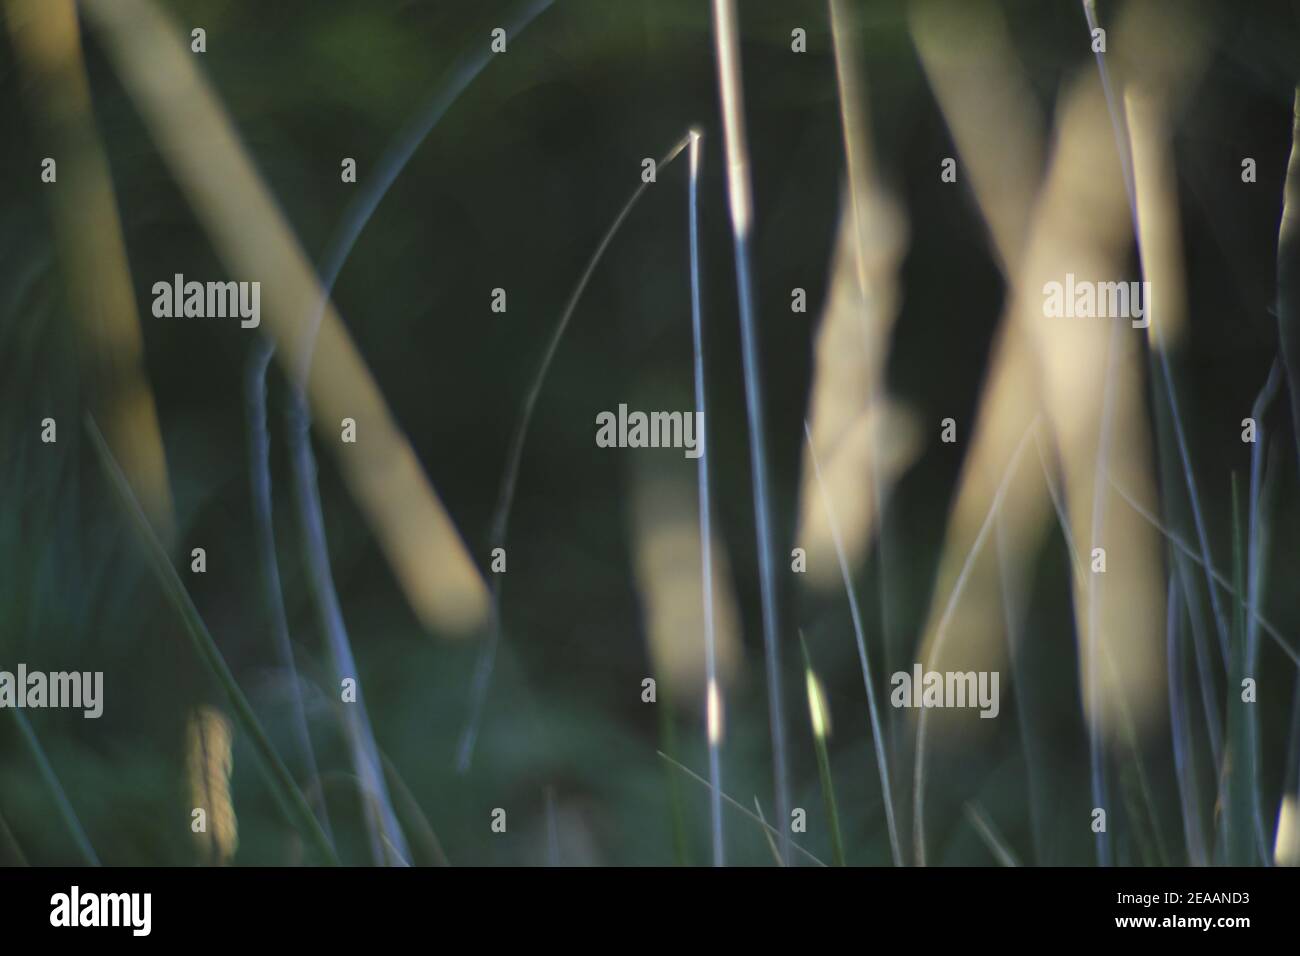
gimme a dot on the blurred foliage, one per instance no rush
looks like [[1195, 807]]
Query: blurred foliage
[[514, 189]]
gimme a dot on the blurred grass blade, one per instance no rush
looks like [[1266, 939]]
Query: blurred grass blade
[[1180, 729], [552, 828], [281, 782], [942, 632], [973, 68], [455, 81], [414, 818], [1135, 771], [61, 801], [998, 846], [768, 829], [11, 854], [1100, 485], [1161, 84], [382, 828], [713, 691], [771, 844], [873, 712], [1257, 540], [668, 740], [209, 761], [1288, 273], [1236, 795], [443, 585], [506, 496], [382, 815], [1084, 222], [863, 440], [819, 713], [92, 251], [741, 203], [510, 474], [268, 569], [1187, 550]]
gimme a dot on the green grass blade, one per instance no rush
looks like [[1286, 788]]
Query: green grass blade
[[712, 689], [11, 854], [412, 817], [819, 714], [771, 844], [741, 204], [282, 784], [56, 789], [1269, 628], [668, 735], [1136, 775], [873, 712], [277, 618], [1180, 726], [997, 845], [950, 608]]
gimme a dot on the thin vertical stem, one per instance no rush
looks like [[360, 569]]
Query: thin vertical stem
[[269, 572], [713, 693], [819, 713], [1288, 273], [853, 110], [387, 843], [514, 458], [1180, 727], [941, 637], [727, 39], [1256, 549], [1101, 482], [458, 78], [873, 712]]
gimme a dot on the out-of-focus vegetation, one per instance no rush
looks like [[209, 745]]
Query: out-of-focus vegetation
[[514, 188]]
